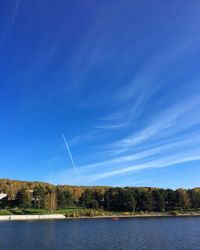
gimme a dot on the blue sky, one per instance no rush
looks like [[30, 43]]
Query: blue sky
[[120, 79]]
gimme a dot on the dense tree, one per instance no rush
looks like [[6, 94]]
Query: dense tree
[[43, 195], [24, 198], [39, 196], [183, 199], [119, 199], [64, 198], [50, 200], [144, 200], [112, 199], [195, 198], [170, 199], [158, 197], [88, 200], [128, 200]]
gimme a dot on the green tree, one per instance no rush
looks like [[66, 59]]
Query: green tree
[[64, 198], [24, 198], [170, 199], [107, 199], [144, 200], [87, 199], [195, 198], [158, 200], [113, 199], [119, 199], [39, 196], [128, 200]]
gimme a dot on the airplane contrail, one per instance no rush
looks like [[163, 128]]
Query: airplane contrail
[[15, 13], [10, 25], [70, 155]]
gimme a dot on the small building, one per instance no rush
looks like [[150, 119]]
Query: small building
[[2, 196]]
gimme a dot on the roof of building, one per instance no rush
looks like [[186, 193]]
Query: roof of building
[[2, 196]]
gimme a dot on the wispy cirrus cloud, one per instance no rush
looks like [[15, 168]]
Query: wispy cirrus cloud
[[145, 108], [165, 155], [168, 161], [167, 122], [130, 100]]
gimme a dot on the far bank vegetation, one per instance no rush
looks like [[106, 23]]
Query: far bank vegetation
[[75, 201]]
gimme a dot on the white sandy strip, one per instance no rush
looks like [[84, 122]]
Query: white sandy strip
[[32, 217]]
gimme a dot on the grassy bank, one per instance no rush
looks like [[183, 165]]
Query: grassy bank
[[18, 211], [83, 212], [68, 212], [5, 212]]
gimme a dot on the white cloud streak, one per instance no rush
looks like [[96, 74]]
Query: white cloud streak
[[168, 161], [166, 121]]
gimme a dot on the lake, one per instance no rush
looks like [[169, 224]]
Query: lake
[[129, 233]]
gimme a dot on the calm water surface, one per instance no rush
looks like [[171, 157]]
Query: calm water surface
[[134, 233]]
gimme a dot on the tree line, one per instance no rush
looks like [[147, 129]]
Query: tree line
[[128, 199]]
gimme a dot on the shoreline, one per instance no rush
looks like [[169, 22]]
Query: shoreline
[[63, 217]]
